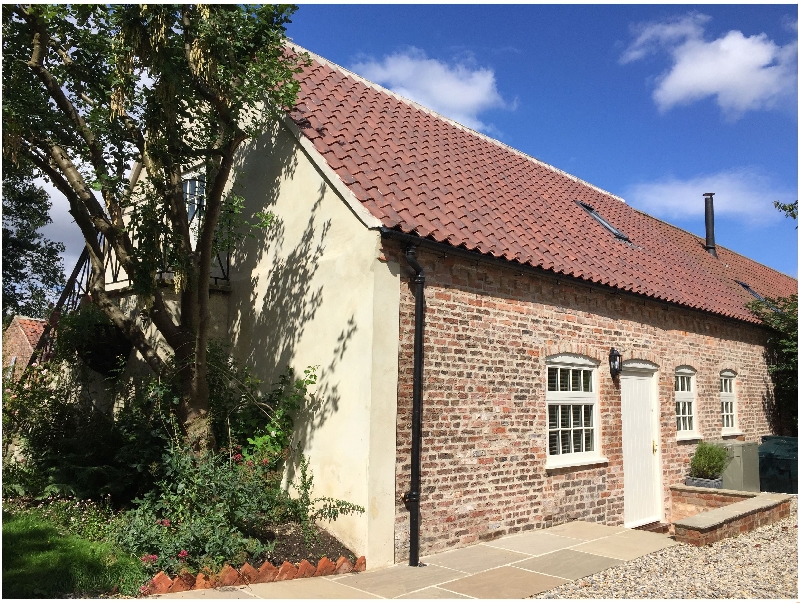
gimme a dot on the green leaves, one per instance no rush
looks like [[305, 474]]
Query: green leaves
[[780, 317], [33, 271], [709, 461]]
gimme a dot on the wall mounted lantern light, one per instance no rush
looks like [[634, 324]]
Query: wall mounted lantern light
[[615, 362]]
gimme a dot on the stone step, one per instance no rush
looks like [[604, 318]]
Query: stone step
[[656, 526]]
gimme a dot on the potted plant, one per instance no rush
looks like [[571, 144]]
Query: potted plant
[[708, 463]]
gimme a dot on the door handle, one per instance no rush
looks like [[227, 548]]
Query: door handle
[[655, 447]]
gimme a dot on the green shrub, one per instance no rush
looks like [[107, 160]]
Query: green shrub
[[708, 461], [71, 447], [211, 508]]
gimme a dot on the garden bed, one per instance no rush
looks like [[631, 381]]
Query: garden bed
[[291, 546]]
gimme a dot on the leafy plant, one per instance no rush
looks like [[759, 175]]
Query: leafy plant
[[311, 510], [73, 447], [214, 510], [779, 315], [709, 461]]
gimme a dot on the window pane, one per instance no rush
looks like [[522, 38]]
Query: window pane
[[689, 408], [564, 380], [688, 384], [552, 379], [576, 380], [677, 381], [587, 415], [576, 416], [678, 423], [565, 416], [554, 449], [577, 440], [566, 442], [685, 423], [588, 440], [677, 408], [552, 417], [587, 381], [690, 423]]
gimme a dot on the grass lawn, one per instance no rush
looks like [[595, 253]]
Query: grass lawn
[[38, 562]]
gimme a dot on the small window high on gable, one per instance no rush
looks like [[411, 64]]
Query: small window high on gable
[[593, 212]]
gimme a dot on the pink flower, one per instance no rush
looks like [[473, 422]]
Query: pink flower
[[265, 461], [183, 554], [237, 457], [249, 463]]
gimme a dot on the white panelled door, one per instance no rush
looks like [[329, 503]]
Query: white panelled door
[[640, 445]]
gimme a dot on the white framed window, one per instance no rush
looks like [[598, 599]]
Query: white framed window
[[572, 413], [727, 396], [686, 403], [194, 194]]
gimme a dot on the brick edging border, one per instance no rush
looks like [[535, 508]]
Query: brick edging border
[[161, 583]]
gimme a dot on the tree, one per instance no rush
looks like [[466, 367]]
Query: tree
[[91, 90], [33, 270], [780, 316], [790, 209]]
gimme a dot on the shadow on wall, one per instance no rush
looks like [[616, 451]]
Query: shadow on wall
[[272, 276]]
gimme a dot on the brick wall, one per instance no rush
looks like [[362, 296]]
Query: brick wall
[[688, 501], [734, 527], [488, 330]]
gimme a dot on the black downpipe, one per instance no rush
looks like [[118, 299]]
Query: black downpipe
[[711, 245], [411, 497]]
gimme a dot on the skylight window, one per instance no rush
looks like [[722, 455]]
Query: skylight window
[[593, 212]]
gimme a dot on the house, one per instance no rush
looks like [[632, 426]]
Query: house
[[19, 341], [518, 280]]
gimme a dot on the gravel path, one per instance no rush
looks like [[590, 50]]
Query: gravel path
[[761, 564]]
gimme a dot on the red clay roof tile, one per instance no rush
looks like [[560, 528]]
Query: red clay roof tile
[[423, 174]]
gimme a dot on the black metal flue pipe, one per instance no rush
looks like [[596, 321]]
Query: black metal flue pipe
[[711, 245], [412, 496]]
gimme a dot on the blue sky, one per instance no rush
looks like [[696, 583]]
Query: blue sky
[[657, 104]]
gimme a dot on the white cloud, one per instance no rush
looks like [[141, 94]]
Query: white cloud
[[744, 73], [653, 36], [457, 91], [745, 194]]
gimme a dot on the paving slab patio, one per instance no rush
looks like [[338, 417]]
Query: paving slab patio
[[568, 564], [511, 567]]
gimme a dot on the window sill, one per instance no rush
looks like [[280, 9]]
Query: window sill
[[687, 436], [574, 463], [726, 434]]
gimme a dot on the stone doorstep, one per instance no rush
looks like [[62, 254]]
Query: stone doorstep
[[716, 518]]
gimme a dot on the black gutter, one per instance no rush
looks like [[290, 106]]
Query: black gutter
[[411, 497]]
